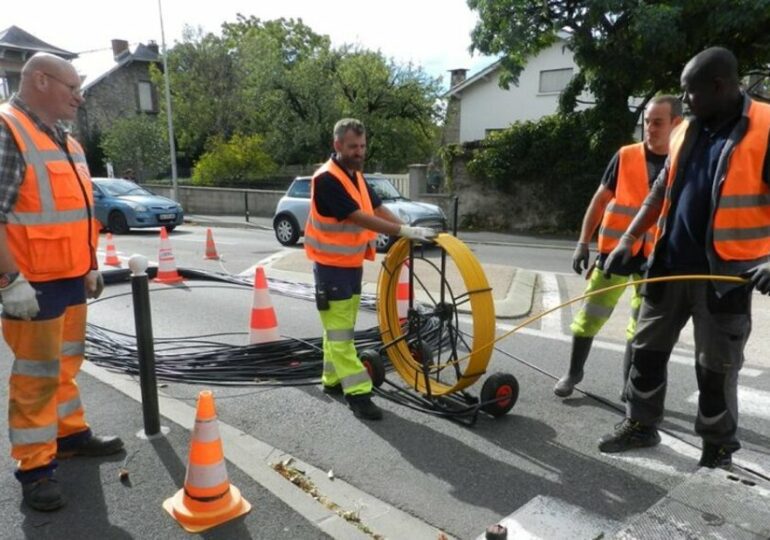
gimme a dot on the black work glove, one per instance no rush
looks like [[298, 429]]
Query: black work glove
[[580, 258], [759, 276], [619, 257]]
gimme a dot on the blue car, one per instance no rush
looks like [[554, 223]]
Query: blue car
[[121, 205]]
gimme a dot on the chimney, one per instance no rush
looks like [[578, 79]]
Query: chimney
[[457, 76], [153, 46], [119, 48]]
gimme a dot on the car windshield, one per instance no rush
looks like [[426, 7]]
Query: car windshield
[[118, 187], [383, 188]]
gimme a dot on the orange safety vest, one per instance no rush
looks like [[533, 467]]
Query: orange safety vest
[[741, 223], [631, 189], [51, 232], [339, 243]]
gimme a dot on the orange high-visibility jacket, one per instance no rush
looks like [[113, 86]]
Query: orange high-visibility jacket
[[339, 243], [631, 189], [51, 231], [741, 222]]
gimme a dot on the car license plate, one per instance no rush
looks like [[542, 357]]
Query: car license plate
[[167, 216]]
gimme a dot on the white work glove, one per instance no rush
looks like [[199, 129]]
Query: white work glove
[[94, 284], [417, 233], [20, 299]]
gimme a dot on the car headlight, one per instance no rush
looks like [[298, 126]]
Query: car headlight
[[139, 208], [404, 215]]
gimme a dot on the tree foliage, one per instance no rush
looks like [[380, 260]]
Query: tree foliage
[[624, 48], [138, 143], [241, 160], [282, 81]]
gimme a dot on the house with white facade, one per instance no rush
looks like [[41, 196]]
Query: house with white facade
[[480, 106]]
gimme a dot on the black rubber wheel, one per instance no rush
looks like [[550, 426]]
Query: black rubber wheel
[[499, 393], [169, 228], [286, 230], [374, 366], [383, 242], [117, 223]]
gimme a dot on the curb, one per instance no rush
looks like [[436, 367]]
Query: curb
[[518, 301]]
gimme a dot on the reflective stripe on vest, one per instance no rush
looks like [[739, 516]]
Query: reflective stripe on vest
[[741, 223], [49, 229], [630, 191], [339, 243]]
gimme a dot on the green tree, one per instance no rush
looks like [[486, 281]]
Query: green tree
[[624, 48], [139, 143], [240, 160]]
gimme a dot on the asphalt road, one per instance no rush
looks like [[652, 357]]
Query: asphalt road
[[456, 478]]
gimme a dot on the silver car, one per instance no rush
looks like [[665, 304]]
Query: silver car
[[294, 207]]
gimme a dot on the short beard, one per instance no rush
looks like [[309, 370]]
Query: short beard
[[349, 165]]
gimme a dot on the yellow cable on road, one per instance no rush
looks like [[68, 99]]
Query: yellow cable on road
[[482, 314]]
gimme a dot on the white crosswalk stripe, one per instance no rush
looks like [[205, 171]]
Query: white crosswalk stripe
[[551, 298], [751, 402]]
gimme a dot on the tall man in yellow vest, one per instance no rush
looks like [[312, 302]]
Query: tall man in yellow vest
[[713, 217], [345, 217], [623, 188], [48, 267]]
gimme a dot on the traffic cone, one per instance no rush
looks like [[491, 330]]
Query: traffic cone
[[207, 498], [264, 324], [211, 249], [166, 266], [402, 292], [111, 258]]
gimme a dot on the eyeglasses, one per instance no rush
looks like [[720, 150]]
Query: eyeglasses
[[74, 88]]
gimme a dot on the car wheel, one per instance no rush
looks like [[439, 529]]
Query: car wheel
[[169, 228], [117, 222], [383, 242], [286, 230]]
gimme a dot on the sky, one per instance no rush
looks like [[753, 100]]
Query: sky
[[432, 34]]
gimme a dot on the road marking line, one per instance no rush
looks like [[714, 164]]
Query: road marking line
[[679, 356], [751, 402], [551, 298]]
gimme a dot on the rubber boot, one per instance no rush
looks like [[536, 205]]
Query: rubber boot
[[581, 346], [626, 370]]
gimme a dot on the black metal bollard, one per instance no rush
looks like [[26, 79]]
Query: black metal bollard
[[145, 346], [455, 212], [246, 204]]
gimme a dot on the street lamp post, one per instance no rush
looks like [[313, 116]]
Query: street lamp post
[[171, 147]]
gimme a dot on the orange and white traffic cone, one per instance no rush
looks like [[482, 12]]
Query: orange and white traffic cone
[[211, 248], [264, 324], [402, 292], [166, 266], [207, 498], [111, 258]]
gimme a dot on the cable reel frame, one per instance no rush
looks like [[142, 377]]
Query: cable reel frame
[[412, 353]]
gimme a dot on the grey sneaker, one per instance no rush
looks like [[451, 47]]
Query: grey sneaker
[[715, 456], [629, 435]]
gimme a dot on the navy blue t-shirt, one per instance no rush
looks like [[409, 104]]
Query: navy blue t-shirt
[[331, 198], [685, 249]]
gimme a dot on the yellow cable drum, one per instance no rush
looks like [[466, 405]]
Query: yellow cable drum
[[397, 345]]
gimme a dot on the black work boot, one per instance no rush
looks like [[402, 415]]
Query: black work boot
[[626, 370], [363, 407], [43, 495], [715, 456], [628, 435], [94, 446], [581, 346], [332, 390]]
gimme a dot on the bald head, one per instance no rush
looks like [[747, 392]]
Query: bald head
[[50, 86], [711, 83]]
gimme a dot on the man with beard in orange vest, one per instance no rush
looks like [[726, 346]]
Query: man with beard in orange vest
[[48, 238], [712, 206]]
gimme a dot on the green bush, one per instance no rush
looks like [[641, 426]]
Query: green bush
[[557, 152], [241, 161]]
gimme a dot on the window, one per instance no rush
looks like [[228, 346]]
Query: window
[[5, 92], [146, 97], [300, 189], [554, 80]]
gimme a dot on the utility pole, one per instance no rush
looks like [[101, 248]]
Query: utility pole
[[171, 146]]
